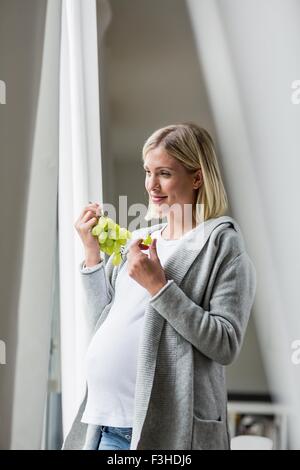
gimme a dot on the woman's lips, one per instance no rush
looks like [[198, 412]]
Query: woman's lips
[[158, 199]]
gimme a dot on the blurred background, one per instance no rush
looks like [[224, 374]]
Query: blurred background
[[82, 86]]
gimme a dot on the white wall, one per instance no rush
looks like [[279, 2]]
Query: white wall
[[21, 47], [29, 40], [249, 52]]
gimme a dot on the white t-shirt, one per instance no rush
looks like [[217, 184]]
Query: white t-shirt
[[111, 359]]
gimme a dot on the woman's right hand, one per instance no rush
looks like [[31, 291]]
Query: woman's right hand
[[84, 224]]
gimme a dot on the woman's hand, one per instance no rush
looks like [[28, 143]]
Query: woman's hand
[[148, 272], [87, 219]]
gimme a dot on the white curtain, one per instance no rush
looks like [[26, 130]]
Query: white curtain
[[79, 182]]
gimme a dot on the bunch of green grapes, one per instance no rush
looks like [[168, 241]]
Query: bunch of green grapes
[[112, 237]]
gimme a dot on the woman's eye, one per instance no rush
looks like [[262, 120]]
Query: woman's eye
[[162, 173]]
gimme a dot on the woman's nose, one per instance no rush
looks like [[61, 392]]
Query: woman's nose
[[153, 183]]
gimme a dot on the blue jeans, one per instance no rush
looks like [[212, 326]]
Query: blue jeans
[[115, 438], [107, 438]]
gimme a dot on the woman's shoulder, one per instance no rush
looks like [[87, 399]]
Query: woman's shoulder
[[228, 236]]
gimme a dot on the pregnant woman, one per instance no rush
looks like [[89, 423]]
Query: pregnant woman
[[167, 320]]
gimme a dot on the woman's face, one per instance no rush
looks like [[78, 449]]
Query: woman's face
[[167, 177]]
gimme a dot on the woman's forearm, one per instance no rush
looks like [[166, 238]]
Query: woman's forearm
[[92, 258]]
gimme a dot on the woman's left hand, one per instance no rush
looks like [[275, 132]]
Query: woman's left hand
[[148, 272]]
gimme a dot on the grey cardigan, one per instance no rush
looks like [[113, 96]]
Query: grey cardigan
[[193, 327]]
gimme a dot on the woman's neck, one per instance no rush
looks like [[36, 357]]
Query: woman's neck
[[171, 232]]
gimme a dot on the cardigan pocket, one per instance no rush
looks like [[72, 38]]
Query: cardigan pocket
[[209, 434]]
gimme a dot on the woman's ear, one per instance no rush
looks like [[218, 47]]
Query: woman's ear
[[198, 179]]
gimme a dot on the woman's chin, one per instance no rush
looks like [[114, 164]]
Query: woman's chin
[[161, 211]]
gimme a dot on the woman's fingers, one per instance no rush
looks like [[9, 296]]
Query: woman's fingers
[[88, 208], [143, 247], [90, 223], [88, 215], [84, 224], [93, 208]]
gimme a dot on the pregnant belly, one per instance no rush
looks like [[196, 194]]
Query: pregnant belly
[[112, 357]]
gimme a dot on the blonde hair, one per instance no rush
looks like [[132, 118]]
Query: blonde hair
[[193, 147]]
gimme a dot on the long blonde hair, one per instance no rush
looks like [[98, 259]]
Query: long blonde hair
[[193, 147]]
